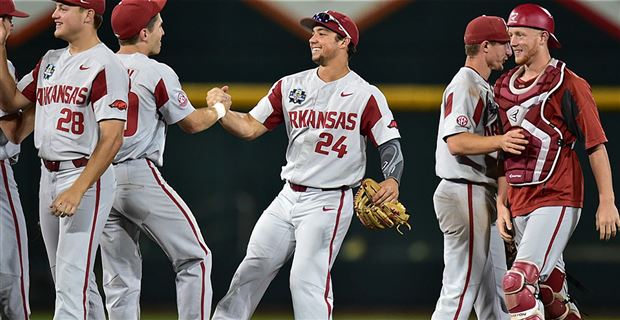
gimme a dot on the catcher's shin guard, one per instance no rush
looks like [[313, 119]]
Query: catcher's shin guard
[[557, 305], [520, 289]]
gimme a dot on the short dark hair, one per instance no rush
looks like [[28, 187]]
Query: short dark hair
[[98, 19], [472, 49], [351, 49], [133, 40]]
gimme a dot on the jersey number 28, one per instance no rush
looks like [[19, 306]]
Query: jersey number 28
[[70, 121]]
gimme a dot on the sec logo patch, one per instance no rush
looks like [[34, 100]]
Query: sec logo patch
[[462, 121], [182, 98]]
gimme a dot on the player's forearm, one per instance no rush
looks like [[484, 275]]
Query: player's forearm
[[601, 169], [467, 143], [242, 125], [8, 90], [502, 191], [199, 120], [110, 141], [16, 127]]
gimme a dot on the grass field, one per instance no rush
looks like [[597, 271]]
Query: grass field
[[282, 316]]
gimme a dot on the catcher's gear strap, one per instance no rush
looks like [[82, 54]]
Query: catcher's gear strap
[[392, 162], [520, 287], [556, 303]]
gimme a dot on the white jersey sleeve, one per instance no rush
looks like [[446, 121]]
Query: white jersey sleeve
[[8, 150], [110, 91], [268, 111], [173, 102], [378, 123], [458, 106]]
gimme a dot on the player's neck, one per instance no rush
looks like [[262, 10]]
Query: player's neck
[[479, 65], [131, 49], [333, 72], [83, 43], [535, 67]]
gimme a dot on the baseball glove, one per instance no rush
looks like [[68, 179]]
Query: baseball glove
[[386, 215], [511, 253]]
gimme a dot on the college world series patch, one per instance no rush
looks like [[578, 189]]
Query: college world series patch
[[49, 71], [297, 96]]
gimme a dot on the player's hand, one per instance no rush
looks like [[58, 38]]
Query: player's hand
[[5, 29], [216, 95], [387, 192], [66, 204], [513, 141], [607, 220], [504, 223]]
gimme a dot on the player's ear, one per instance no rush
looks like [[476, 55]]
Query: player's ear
[[485, 45], [144, 34]]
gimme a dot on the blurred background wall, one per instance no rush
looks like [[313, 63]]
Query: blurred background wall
[[411, 49]]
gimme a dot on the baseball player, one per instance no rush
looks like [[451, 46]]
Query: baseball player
[[466, 161], [329, 113], [144, 201], [542, 203], [79, 95], [14, 275]]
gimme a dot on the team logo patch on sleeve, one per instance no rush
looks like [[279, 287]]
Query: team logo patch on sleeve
[[182, 99], [462, 121], [49, 71], [393, 124], [297, 96], [119, 104]]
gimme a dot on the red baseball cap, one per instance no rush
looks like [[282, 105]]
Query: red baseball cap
[[7, 8], [131, 16], [97, 5], [489, 28], [534, 16], [336, 22]]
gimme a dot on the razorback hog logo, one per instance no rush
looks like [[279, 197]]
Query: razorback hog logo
[[119, 104]]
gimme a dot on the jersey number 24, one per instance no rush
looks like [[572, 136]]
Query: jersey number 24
[[326, 142]]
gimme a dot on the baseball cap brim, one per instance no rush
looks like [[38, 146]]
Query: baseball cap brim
[[19, 14]]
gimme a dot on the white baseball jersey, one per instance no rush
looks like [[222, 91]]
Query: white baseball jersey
[[73, 92], [156, 100], [8, 150], [327, 126], [467, 106]]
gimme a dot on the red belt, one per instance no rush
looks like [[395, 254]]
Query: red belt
[[300, 188], [54, 166]]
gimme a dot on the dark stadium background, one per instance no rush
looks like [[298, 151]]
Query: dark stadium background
[[228, 182]]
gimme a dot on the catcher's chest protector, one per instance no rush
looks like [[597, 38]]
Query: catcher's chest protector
[[524, 108]]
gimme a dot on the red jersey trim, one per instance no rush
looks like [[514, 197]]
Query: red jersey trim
[[448, 105], [30, 91], [161, 94], [370, 117], [275, 98], [99, 88], [478, 111]]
